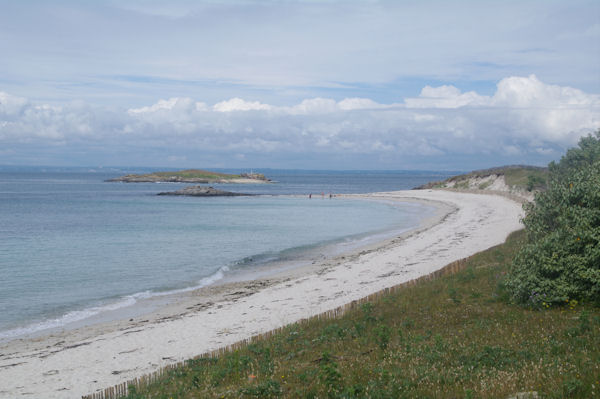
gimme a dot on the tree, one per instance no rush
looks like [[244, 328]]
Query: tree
[[561, 259]]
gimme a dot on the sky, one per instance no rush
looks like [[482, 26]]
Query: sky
[[297, 84]]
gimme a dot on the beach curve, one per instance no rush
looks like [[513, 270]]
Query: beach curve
[[79, 362]]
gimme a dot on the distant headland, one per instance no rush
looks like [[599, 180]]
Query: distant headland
[[196, 176]]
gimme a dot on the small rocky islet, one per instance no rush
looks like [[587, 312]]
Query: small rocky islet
[[203, 191]]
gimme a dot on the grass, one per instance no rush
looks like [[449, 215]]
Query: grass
[[197, 174], [485, 185], [454, 337], [517, 176], [526, 178]]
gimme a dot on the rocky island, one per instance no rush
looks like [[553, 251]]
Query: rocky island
[[203, 191], [196, 176]]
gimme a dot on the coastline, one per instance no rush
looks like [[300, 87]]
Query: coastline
[[253, 266], [82, 361]]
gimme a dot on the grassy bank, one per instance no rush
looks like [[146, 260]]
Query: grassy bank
[[455, 337], [516, 177]]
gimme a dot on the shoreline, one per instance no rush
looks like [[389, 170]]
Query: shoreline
[[82, 361], [145, 303]]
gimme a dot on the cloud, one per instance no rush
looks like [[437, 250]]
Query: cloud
[[237, 104], [23, 121], [444, 97], [349, 104], [313, 106], [11, 105], [524, 120], [174, 104], [529, 92], [245, 49], [525, 106]]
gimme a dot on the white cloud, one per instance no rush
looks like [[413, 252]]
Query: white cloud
[[524, 117], [530, 92], [349, 104], [11, 105], [548, 112], [313, 106], [237, 104], [23, 121], [444, 97], [174, 103], [525, 106], [512, 92]]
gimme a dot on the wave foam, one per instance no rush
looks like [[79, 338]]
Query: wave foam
[[80, 315]]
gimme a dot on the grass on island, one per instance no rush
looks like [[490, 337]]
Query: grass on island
[[195, 174], [454, 337]]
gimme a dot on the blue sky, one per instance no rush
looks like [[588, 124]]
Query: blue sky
[[297, 84]]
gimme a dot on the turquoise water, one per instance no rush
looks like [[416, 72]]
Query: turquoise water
[[72, 246]]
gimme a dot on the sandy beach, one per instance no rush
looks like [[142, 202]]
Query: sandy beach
[[70, 364]]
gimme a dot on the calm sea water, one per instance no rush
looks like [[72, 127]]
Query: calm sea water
[[73, 246]]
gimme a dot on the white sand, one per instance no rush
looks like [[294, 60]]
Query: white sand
[[74, 363]]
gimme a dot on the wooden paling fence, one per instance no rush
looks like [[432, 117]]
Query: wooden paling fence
[[122, 389]]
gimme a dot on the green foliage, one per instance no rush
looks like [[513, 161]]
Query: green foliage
[[561, 260], [526, 177], [330, 375], [367, 309], [485, 185], [586, 154], [462, 185], [535, 182], [454, 294], [266, 389], [494, 357], [133, 393], [383, 334]]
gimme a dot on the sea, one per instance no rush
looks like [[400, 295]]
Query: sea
[[74, 247]]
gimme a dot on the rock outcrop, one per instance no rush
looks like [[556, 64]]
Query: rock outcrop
[[203, 191]]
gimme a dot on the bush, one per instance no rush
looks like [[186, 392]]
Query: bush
[[561, 259]]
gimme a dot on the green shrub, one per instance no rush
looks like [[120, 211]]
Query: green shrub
[[535, 182], [330, 375], [561, 259], [266, 389], [383, 333]]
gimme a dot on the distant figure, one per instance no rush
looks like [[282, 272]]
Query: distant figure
[[310, 196], [322, 194], [329, 195]]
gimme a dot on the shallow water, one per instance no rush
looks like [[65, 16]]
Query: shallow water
[[73, 246]]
